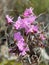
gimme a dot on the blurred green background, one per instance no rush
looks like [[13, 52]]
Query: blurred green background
[[39, 6], [18, 6]]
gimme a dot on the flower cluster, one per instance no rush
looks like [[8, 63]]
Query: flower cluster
[[21, 43], [26, 23]]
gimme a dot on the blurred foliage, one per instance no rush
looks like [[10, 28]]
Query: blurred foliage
[[39, 6], [5, 62], [12, 62]]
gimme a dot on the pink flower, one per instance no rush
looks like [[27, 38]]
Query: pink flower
[[32, 18], [27, 12], [18, 23], [24, 51], [29, 20], [21, 23], [9, 19], [42, 37], [32, 29], [18, 36], [22, 47], [35, 28], [24, 23]]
